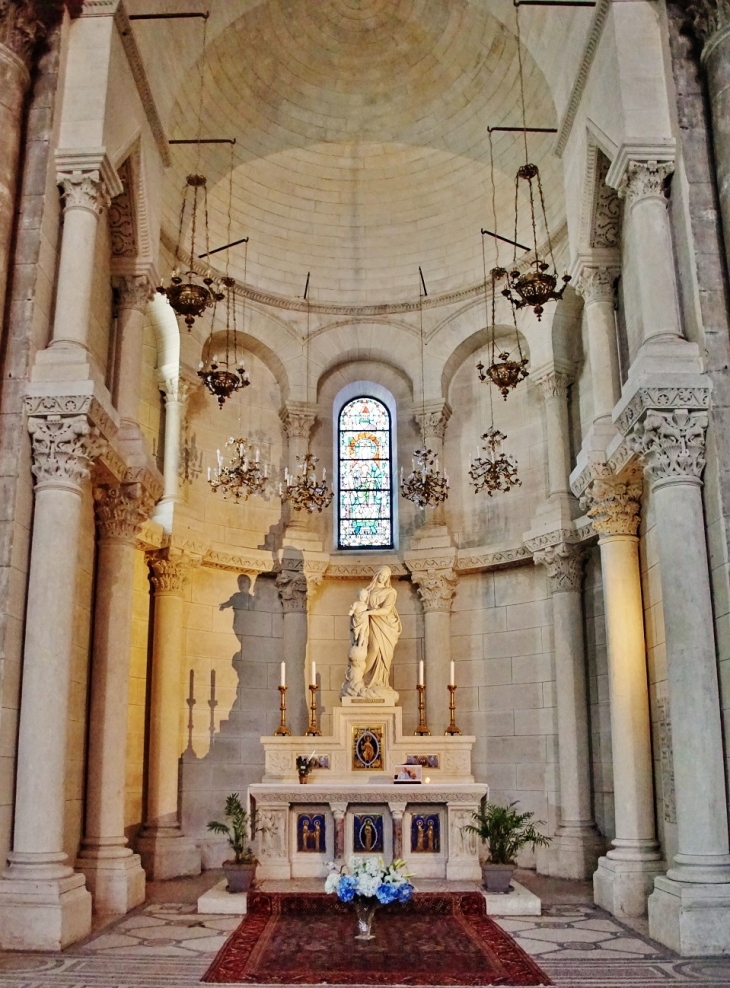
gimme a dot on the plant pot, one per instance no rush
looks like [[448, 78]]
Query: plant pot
[[239, 876], [497, 877], [365, 911]]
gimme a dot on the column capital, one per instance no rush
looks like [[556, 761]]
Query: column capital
[[298, 418], [121, 510], [293, 588], [597, 283], [555, 383], [709, 18], [170, 572], [671, 444], [645, 180], [176, 388], [133, 291], [436, 583], [64, 448], [21, 27], [88, 179], [564, 563], [613, 505], [433, 419]]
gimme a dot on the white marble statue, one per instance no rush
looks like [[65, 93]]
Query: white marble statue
[[375, 628]]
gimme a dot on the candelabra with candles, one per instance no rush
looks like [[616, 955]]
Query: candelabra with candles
[[304, 490], [243, 476], [452, 728], [424, 485], [313, 729], [495, 471], [422, 729], [282, 730]]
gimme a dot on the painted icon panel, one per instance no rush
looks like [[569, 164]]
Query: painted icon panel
[[368, 833], [426, 833], [367, 748], [311, 833]]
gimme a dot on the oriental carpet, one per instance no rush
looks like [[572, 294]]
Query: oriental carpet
[[308, 938]]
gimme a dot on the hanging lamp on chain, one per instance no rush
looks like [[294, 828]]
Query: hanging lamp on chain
[[494, 471], [536, 285], [243, 475], [425, 485]]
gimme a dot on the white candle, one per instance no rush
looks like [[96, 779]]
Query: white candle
[[283, 673], [314, 674], [324, 473], [452, 680], [420, 672], [257, 456], [209, 473]]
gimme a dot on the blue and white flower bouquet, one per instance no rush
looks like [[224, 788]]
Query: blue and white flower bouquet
[[370, 878]]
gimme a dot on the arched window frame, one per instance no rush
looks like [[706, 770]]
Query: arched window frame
[[366, 389]]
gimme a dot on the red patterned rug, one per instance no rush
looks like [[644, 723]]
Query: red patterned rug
[[308, 939]]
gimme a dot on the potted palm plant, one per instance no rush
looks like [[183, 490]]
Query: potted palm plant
[[239, 871], [507, 832]]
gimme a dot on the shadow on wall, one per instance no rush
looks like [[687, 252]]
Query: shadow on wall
[[235, 757]]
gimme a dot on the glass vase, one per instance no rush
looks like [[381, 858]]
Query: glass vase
[[365, 911]]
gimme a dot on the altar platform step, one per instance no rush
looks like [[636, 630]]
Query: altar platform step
[[519, 901]]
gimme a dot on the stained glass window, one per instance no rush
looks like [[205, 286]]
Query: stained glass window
[[366, 519]]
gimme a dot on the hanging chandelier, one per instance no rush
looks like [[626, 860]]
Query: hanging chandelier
[[305, 491], [503, 372], [496, 471], [425, 485], [224, 377], [243, 476], [188, 293]]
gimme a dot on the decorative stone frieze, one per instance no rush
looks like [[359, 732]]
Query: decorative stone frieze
[[645, 180], [121, 510], [122, 216], [613, 505], [555, 384], [661, 398], [298, 419], [564, 563], [436, 586], [606, 213], [22, 26], [433, 421], [597, 284], [64, 448], [671, 444], [169, 573], [292, 587]]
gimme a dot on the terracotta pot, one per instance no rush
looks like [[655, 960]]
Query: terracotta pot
[[497, 877], [239, 876]]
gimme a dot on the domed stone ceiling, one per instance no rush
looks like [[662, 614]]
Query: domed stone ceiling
[[362, 145]]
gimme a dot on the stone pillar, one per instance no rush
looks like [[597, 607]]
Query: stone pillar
[[625, 876], [133, 296], [436, 587], [711, 19], [576, 846], [298, 418], [433, 422], [176, 391], [113, 873], [596, 285], [338, 813], [689, 909], [165, 851], [396, 814], [20, 27], [555, 386], [292, 586], [44, 905]]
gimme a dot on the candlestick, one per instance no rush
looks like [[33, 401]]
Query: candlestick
[[422, 728], [452, 728], [313, 730], [282, 729]]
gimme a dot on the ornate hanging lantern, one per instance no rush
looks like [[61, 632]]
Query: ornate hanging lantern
[[496, 471], [224, 377], [243, 476], [188, 293], [503, 372], [425, 485], [305, 491]]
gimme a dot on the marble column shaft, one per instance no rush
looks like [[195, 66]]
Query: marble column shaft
[[596, 285], [555, 386], [436, 588], [134, 294], [292, 587]]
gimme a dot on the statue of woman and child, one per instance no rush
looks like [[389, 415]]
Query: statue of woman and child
[[374, 632]]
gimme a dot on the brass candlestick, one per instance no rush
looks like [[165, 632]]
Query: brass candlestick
[[313, 730], [452, 728], [422, 728], [282, 729]]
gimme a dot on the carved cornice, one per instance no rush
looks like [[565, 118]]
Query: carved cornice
[[436, 584], [170, 572], [589, 52], [364, 571], [121, 511], [613, 505], [41, 406], [645, 180], [564, 563], [22, 25], [661, 398], [64, 448], [474, 560], [671, 444], [298, 418], [87, 177], [433, 420]]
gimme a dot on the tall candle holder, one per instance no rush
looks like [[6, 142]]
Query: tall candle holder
[[313, 730], [282, 730], [422, 729], [452, 728]]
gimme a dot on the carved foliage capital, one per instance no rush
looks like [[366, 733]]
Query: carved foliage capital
[[21, 26], [708, 17], [134, 292], [597, 284], [298, 420], [176, 389], [564, 563], [63, 449], [84, 190], [645, 180], [169, 573], [671, 443], [555, 384], [433, 421], [613, 505], [292, 586], [436, 587], [121, 510]]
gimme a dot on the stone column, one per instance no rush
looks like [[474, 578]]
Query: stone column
[[576, 845], [711, 19], [396, 814], [165, 851], [298, 418], [689, 909], [625, 876], [436, 587], [44, 905], [133, 295], [176, 391], [292, 586], [596, 285], [555, 386], [113, 873], [433, 422], [339, 811], [20, 28]]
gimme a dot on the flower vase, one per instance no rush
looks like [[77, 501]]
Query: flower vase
[[365, 911]]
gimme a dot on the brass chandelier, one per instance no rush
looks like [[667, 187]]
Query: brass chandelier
[[305, 491], [495, 471], [243, 476], [224, 377]]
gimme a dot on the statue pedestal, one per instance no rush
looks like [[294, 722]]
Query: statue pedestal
[[351, 805]]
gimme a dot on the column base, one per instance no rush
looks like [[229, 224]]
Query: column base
[[622, 887], [168, 856], [573, 855], [43, 914], [693, 920], [117, 883]]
